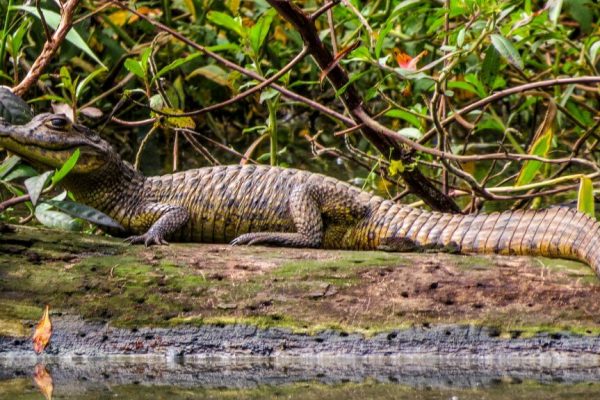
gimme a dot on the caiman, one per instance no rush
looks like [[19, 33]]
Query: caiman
[[256, 204]]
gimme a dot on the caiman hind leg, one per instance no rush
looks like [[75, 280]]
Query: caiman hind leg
[[305, 210], [162, 220]]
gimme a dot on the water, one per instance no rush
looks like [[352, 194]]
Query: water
[[292, 378]]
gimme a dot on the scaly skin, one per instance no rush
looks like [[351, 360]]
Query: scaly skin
[[286, 207]]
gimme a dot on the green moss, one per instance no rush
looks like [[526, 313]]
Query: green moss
[[134, 286]]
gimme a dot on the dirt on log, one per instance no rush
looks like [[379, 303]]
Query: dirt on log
[[107, 298]]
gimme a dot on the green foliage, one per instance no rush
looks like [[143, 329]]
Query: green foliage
[[469, 51]]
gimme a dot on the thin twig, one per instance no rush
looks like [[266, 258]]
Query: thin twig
[[50, 48]]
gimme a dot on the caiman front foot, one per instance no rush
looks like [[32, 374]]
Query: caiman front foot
[[148, 239]]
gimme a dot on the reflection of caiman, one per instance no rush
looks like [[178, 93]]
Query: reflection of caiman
[[279, 206]]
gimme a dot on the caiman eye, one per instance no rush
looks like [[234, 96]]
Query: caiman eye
[[59, 123]]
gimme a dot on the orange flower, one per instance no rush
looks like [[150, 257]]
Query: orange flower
[[42, 333], [407, 62]]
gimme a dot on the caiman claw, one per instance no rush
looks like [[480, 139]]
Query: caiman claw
[[148, 239]]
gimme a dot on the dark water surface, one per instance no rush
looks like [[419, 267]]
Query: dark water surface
[[295, 378]]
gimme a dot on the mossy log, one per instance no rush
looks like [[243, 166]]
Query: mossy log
[[97, 283]]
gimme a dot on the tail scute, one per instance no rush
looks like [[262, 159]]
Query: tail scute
[[555, 232]]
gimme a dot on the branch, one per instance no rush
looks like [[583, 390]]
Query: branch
[[507, 92], [50, 48], [415, 180], [231, 65]]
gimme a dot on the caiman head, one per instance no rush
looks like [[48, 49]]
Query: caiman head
[[50, 139]]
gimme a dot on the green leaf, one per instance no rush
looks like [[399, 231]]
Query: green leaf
[[85, 212], [8, 165], [267, 94], [176, 64], [56, 219], [581, 11], [396, 167], [353, 77], [226, 22], [17, 38], [466, 86], [21, 171], [360, 54], [489, 68], [585, 197], [65, 78], [36, 184], [135, 67], [258, 33], [213, 73], [506, 50], [53, 20], [81, 86], [406, 116], [539, 148], [66, 167], [383, 33], [144, 57]]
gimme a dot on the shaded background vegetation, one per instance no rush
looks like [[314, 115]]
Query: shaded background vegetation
[[411, 62]]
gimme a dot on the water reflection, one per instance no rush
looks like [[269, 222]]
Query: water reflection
[[294, 378], [43, 381]]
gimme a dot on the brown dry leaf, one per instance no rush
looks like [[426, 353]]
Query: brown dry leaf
[[42, 333], [122, 17], [43, 381]]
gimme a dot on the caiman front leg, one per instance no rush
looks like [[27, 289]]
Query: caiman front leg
[[162, 220], [305, 210]]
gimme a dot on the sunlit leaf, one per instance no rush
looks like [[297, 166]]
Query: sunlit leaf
[[8, 165], [189, 5], [53, 20], [406, 116], [226, 22], [66, 167], [360, 54], [506, 50], [539, 148], [36, 184], [585, 197], [258, 33], [396, 167], [213, 73], [42, 333], [135, 67], [411, 133], [85, 212]]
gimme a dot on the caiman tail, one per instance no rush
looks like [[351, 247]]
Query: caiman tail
[[555, 232]]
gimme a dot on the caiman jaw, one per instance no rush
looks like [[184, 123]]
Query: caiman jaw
[[50, 139]]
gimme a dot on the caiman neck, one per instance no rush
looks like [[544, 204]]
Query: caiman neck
[[109, 189]]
